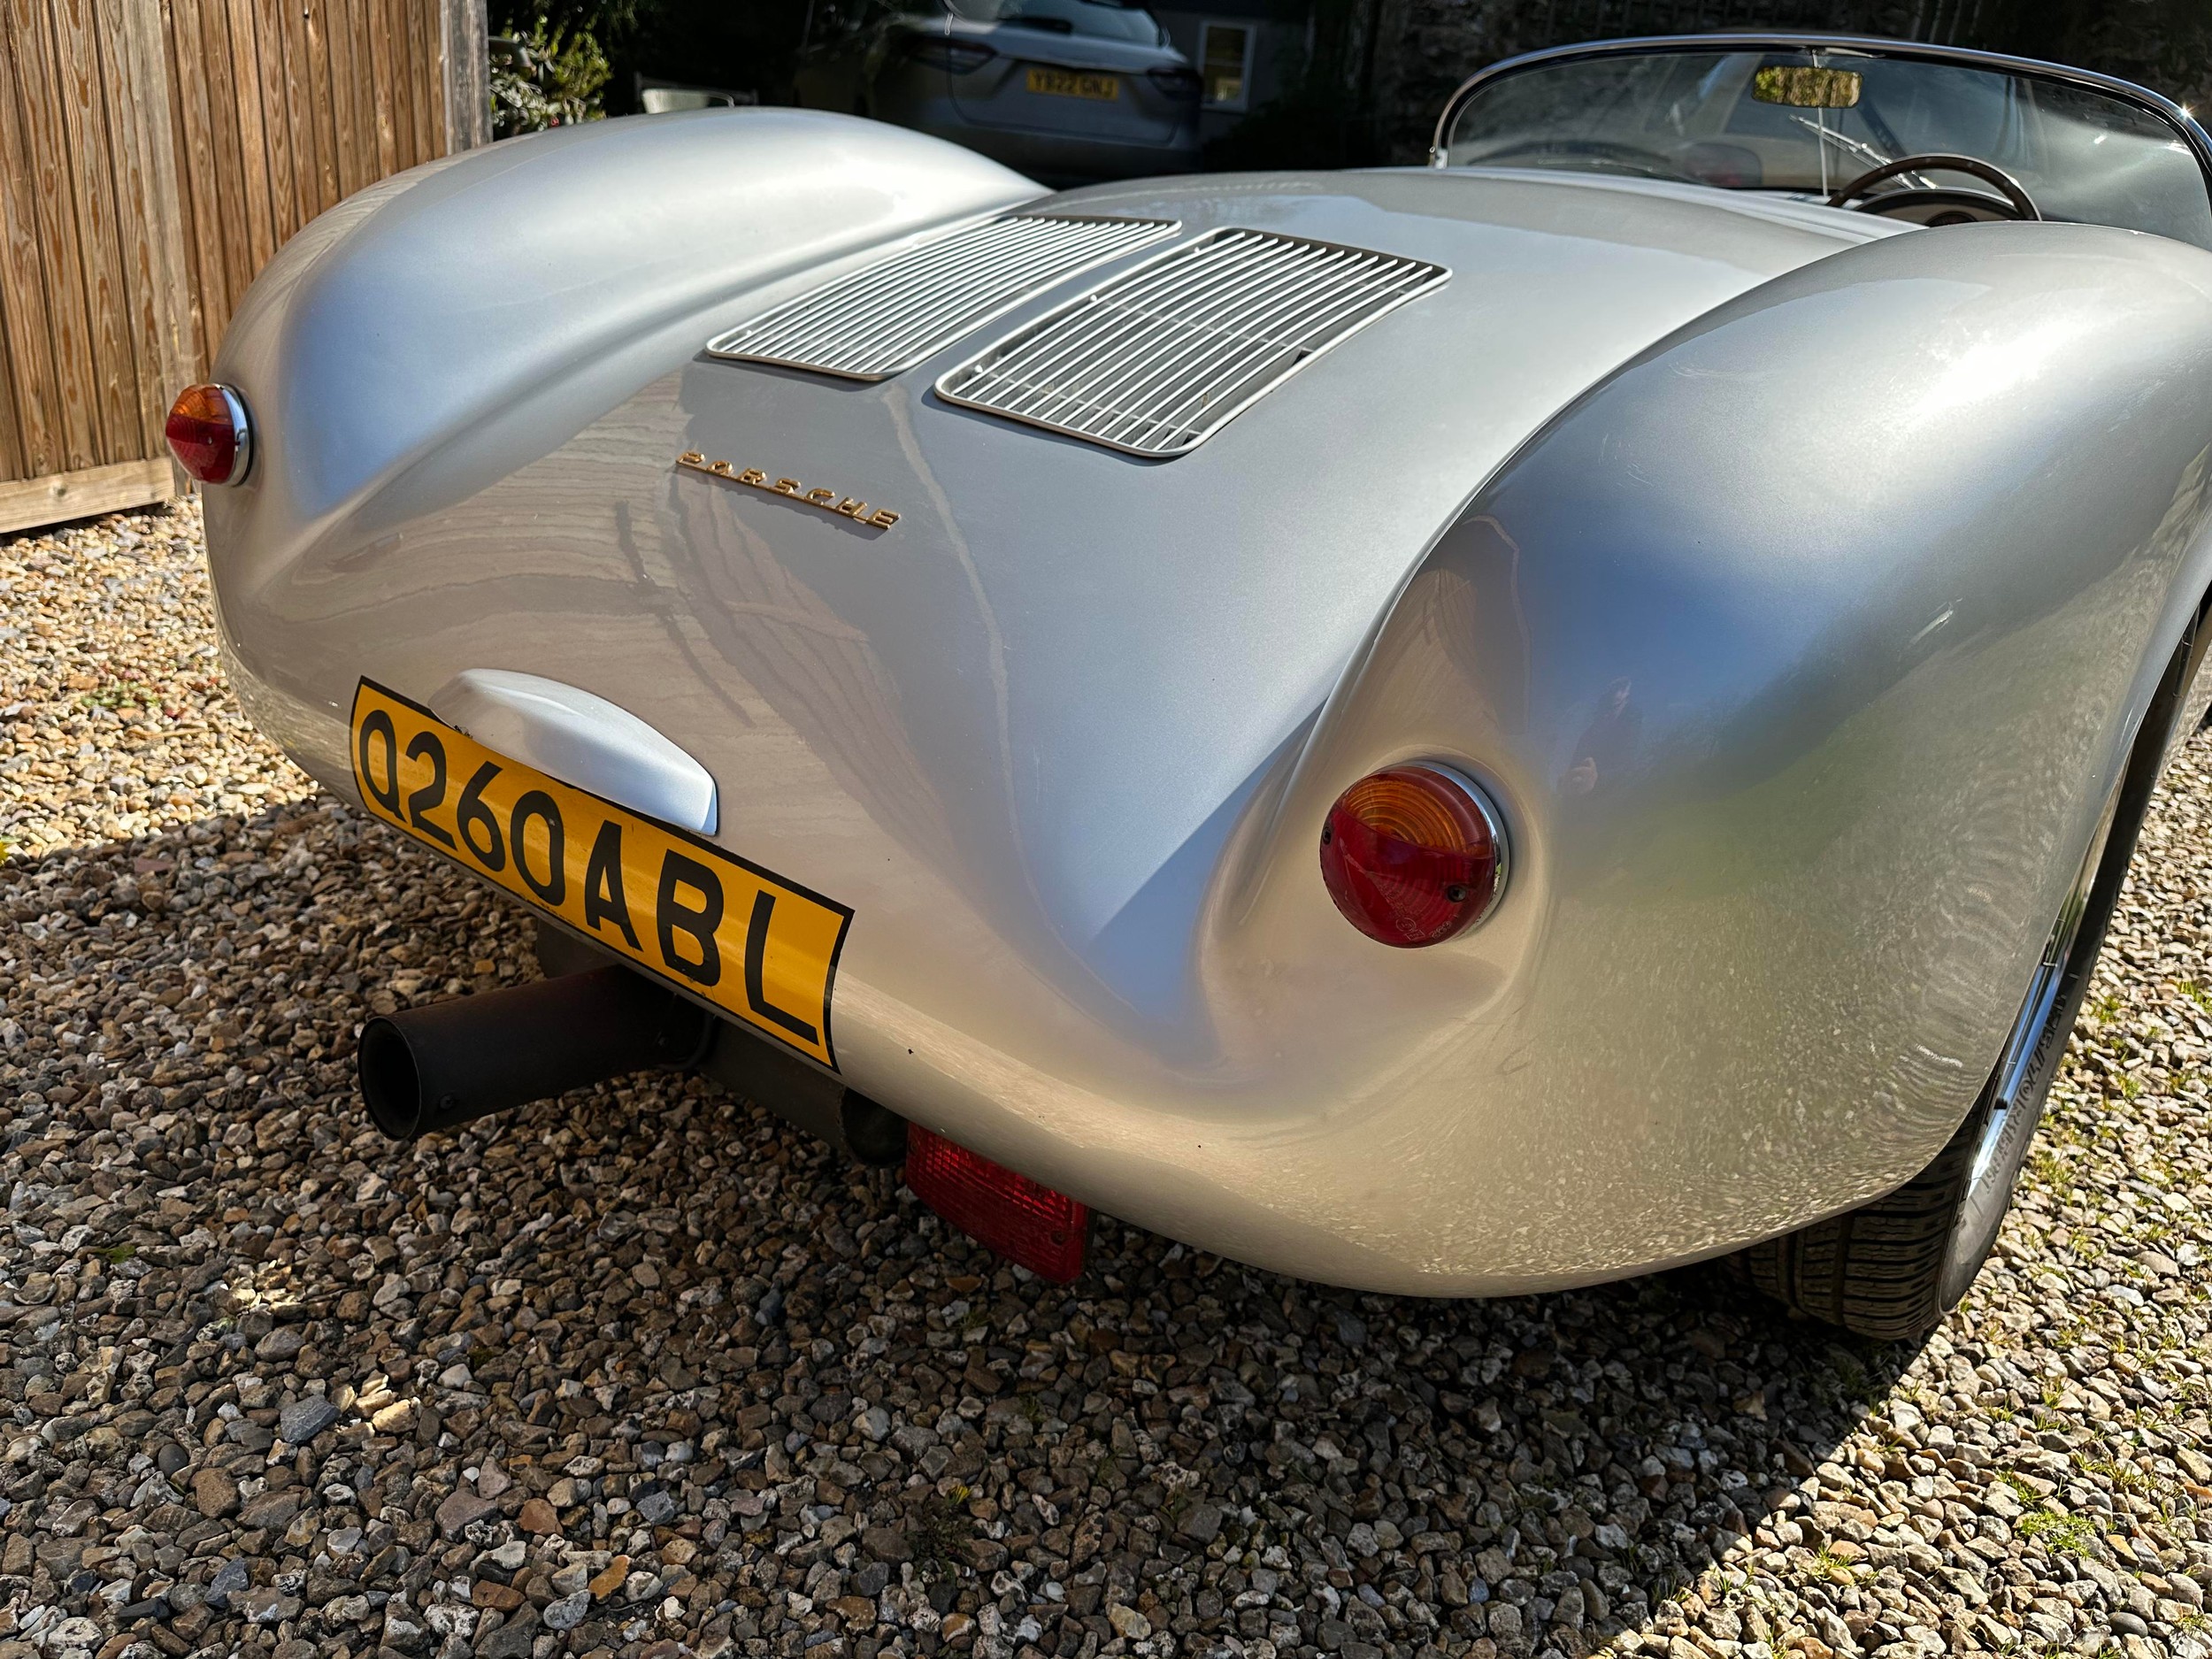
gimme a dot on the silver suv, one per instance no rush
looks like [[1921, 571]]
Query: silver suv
[[1059, 90]]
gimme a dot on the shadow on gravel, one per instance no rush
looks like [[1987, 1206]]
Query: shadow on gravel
[[651, 1321]]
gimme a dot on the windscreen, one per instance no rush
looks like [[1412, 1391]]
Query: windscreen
[[1811, 121], [1103, 20]]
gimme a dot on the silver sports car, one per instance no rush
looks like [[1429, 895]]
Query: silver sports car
[[1068, 89], [1453, 730]]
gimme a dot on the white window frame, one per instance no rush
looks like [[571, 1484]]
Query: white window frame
[[1206, 27]]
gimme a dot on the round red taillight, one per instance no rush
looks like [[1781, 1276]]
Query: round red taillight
[[208, 434], [1413, 855]]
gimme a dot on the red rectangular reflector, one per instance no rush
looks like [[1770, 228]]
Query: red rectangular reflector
[[1024, 1221]]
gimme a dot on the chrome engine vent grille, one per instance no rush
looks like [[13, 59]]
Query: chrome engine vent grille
[[888, 317], [1156, 361]]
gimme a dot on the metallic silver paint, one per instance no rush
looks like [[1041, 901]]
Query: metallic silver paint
[[1881, 537], [583, 739]]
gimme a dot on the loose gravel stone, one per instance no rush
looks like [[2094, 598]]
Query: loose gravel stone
[[460, 1510], [214, 1491], [303, 1420], [643, 1373], [568, 1612]]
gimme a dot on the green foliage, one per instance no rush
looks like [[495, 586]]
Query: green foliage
[[549, 77], [2063, 1534], [749, 47], [122, 693], [938, 1534], [606, 21]]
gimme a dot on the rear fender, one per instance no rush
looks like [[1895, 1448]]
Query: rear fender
[[1800, 655], [516, 293]]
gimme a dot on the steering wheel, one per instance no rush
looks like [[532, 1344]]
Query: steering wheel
[[1934, 205]]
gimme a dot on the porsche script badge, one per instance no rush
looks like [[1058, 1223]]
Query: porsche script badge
[[829, 500]]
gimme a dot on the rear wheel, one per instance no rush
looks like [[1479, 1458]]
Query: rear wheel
[[1892, 1269]]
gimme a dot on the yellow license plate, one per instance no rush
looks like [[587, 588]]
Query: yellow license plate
[[1065, 83], [755, 945]]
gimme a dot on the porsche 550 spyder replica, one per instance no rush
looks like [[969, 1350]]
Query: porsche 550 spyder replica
[[1451, 730]]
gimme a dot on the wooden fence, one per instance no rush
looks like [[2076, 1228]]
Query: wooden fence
[[153, 155]]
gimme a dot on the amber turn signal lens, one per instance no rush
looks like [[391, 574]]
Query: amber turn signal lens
[[207, 434], [1413, 855]]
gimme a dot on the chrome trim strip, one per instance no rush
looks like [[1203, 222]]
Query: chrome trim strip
[[1863, 45], [1495, 821], [241, 452]]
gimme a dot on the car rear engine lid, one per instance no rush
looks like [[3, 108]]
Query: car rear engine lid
[[1157, 360], [890, 316]]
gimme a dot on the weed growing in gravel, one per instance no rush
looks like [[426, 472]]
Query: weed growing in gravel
[[126, 693], [1834, 1568], [2065, 1535], [2124, 1475], [939, 1533], [1847, 1382]]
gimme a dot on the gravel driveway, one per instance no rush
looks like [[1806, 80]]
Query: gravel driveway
[[644, 1372]]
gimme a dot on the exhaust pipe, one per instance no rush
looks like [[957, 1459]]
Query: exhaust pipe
[[437, 1067]]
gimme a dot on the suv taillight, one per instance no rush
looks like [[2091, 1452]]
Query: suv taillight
[[954, 57]]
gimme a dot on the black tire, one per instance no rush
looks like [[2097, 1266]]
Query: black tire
[[1892, 1269]]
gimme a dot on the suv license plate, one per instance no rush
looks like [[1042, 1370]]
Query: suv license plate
[[1065, 83]]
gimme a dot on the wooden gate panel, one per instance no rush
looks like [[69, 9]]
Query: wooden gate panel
[[90, 293], [426, 85], [281, 123], [30, 395], [349, 80], [314, 174], [244, 158], [156, 320], [93, 186], [53, 297], [214, 201]]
